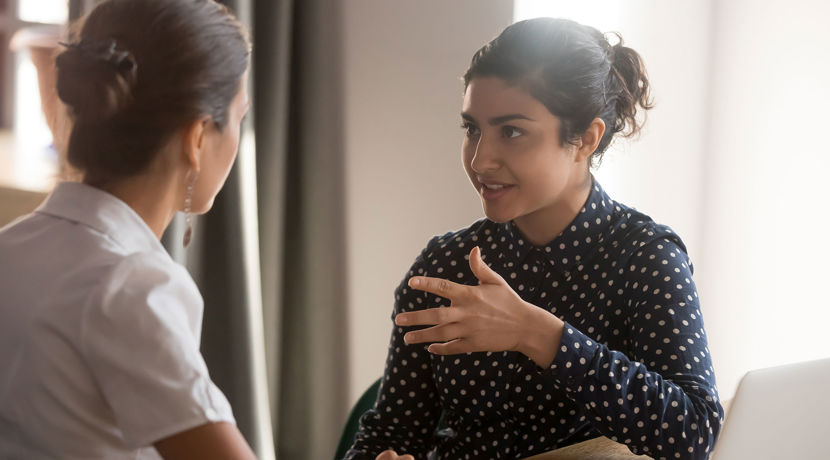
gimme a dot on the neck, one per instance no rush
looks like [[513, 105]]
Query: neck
[[154, 198], [542, 226]]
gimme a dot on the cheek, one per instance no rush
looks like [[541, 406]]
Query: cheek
[[546, 173], [228, 150], [215, 173]]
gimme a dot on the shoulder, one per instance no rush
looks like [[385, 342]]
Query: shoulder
[[645, 253], [635, 235], [147, 269], [145, 287]]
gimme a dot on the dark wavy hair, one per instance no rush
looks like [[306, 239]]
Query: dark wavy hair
[[574, 71], [138, 71]]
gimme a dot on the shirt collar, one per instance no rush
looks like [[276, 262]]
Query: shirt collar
[[103, 212], [585, 232]]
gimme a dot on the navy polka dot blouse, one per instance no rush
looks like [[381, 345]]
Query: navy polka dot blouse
[[633, 364]]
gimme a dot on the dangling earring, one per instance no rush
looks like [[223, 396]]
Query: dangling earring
[[188, 200]]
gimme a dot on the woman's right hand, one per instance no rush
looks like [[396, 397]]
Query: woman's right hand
[[392, 455]]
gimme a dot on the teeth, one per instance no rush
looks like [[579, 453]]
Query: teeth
[[494, 187]]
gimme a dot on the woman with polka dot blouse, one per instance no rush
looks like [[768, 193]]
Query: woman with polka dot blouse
[[563, 315]]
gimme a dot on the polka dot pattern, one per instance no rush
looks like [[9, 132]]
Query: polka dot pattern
[[633, 364]]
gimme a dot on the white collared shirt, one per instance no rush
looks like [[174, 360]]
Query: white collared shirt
[[99, 335]]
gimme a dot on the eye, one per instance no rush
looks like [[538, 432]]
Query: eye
[[511, 131], [471, 129]]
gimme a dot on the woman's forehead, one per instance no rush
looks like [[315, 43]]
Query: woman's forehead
[[491, 97]]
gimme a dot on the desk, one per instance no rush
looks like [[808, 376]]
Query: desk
[[600, 448]]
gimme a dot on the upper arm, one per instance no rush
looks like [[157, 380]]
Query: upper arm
[[219, 441], [140, 341], [666, 325]]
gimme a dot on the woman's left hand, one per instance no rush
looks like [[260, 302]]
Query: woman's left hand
[[487, 317]]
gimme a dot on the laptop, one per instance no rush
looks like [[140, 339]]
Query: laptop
[[779, 413]]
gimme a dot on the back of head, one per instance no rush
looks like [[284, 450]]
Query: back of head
[[138, 71], [574, 71]]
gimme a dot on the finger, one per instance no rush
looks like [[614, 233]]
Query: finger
[[392, 455], [389, 454], [442, 333], [437, 286], [453, 347], [481, 270], [430, 316]]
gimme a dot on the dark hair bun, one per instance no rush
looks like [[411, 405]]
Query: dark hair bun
[[191, 56], [630, 71], [95, 79]]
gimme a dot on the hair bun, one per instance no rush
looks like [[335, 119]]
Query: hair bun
[[630, 72], [95, 79]]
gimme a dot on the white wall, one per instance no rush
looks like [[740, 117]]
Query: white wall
[[404, 179], [767, 167]]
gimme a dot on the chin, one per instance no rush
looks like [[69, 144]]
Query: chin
[[498, 217]]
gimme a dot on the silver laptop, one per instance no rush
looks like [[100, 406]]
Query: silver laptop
[[779, 413]]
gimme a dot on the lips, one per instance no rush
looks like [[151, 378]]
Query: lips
[[491, 190]]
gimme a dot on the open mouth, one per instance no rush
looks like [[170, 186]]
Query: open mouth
[[494, 191]]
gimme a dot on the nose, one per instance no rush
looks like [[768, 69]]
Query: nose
[[484, 158]]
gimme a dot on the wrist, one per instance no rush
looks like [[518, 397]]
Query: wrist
[[543, 335]]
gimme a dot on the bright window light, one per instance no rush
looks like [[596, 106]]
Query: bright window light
[[605, 15], [30, 124], [43, 11]]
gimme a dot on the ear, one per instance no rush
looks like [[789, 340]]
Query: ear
[[194, 140], [589, 140]]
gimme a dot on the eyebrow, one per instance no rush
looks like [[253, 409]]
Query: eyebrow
[[495, 121]]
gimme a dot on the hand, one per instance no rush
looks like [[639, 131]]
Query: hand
[[487, 317], [392, 455]]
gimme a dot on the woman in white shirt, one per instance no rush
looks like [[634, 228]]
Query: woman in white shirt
[[99, 328]]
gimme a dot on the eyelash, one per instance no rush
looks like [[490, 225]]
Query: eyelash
[[468, 127], [506, 130]]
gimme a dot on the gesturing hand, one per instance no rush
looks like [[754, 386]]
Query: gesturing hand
[[392, 455], [487, 317]]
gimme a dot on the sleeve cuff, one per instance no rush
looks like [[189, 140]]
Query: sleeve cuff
[[574, 361]]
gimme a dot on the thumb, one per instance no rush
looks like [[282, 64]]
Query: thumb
[[485, 274]]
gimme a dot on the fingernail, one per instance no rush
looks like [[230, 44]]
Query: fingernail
[[400, 320], [414, 282], [406, 339], [430, 349]]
